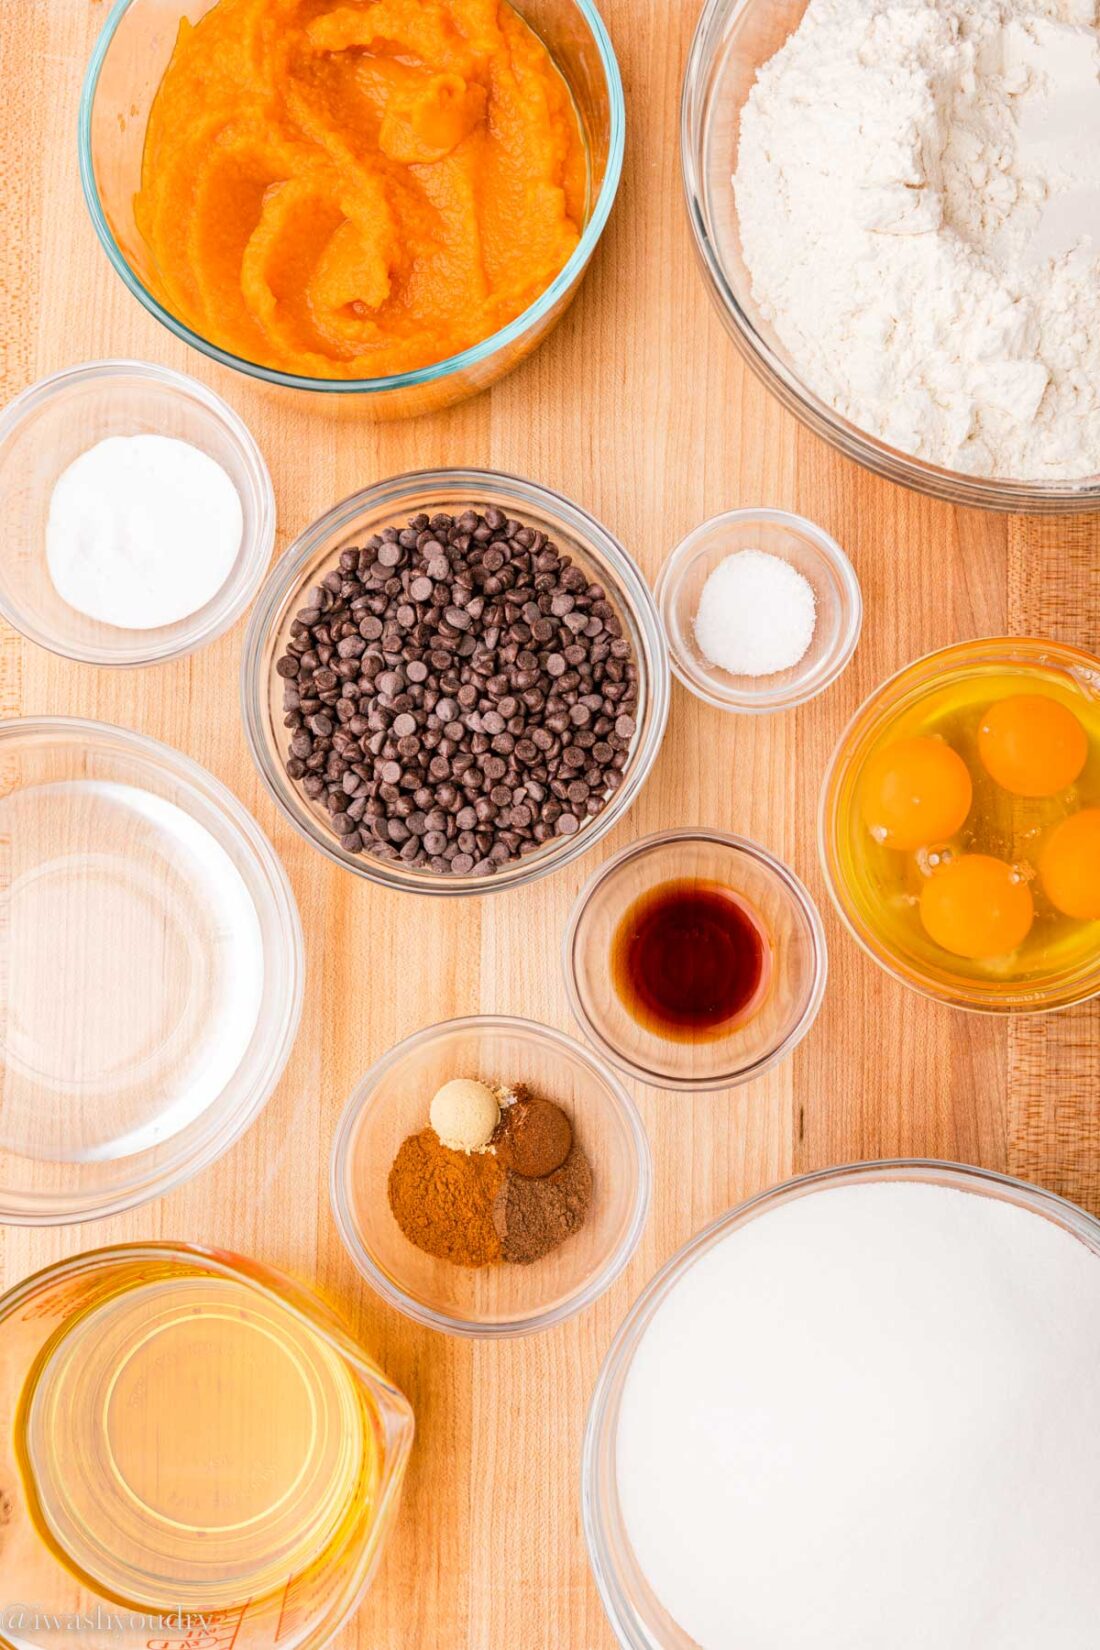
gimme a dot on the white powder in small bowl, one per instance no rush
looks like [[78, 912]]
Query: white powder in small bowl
[[756, 615], [143, 531]]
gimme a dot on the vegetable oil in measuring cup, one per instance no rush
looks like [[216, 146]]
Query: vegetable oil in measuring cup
[[190, 1441]]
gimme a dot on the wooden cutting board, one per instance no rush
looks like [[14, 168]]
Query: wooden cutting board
[[639, 407]]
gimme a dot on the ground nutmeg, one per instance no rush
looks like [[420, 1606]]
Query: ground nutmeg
[[535, 1214]]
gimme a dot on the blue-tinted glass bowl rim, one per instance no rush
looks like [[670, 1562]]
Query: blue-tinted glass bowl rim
[[569, 274]]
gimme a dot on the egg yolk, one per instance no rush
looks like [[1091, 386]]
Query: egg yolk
[[1031, 745], [976, 906], [914, 792], [1069, 865]]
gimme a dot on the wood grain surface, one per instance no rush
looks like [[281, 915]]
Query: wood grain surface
[[639, 407]]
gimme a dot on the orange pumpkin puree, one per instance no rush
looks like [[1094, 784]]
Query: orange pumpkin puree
[[351, 190]]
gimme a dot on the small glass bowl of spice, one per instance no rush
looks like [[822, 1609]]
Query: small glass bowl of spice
[[762, 610], [139, 515], [490, 1176], [695, 960]]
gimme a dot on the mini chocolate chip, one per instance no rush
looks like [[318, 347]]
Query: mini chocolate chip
[[454, 733]]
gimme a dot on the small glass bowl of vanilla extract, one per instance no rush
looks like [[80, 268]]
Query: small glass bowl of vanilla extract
[[695, 960]]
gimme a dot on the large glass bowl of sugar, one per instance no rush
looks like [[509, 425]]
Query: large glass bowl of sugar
[[734, 39], [862, 1409]]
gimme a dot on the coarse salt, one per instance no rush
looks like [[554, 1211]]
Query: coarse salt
[[756, 615]]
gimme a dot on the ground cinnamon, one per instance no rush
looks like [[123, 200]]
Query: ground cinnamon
[[443, 1200]]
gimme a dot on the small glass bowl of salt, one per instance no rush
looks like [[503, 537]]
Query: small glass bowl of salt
[[762, 610], [139, 516]]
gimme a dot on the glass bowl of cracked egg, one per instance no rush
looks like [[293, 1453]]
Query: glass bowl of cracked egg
[[916, 291], [959, 827]]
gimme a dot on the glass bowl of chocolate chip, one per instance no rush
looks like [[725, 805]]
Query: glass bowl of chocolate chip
[[455, 681], [490, 1176]]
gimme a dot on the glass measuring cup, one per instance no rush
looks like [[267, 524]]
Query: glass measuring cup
[[194, 1455]]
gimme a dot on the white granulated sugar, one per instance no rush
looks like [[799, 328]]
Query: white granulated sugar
[[756, 614], [870, 1420], [918, 189]]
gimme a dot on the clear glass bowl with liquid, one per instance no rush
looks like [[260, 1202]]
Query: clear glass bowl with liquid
[[149, 1497], [123, 75], [151, 969], [793, 979]]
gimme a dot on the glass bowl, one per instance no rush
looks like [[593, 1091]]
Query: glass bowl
[[391, 502], [151, 969], [855, 896], [392, 1102], [126, 69], [637, 1618], [795, 984], [140, 1296], [733, 40], [48, 426], [812, 553]]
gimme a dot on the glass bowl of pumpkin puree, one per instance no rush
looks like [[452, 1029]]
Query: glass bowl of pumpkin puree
[[386, 200]]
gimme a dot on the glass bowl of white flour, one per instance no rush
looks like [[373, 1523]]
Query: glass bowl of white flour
[[897, 210], [860, 1410], [139, 516]]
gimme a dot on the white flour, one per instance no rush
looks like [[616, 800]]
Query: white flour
[[870, 1420], [918, 188]]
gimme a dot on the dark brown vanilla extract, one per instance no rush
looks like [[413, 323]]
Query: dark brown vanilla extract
[[690, 960]]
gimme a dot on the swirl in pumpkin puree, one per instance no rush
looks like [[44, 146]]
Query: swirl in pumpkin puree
[[352, 190]]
